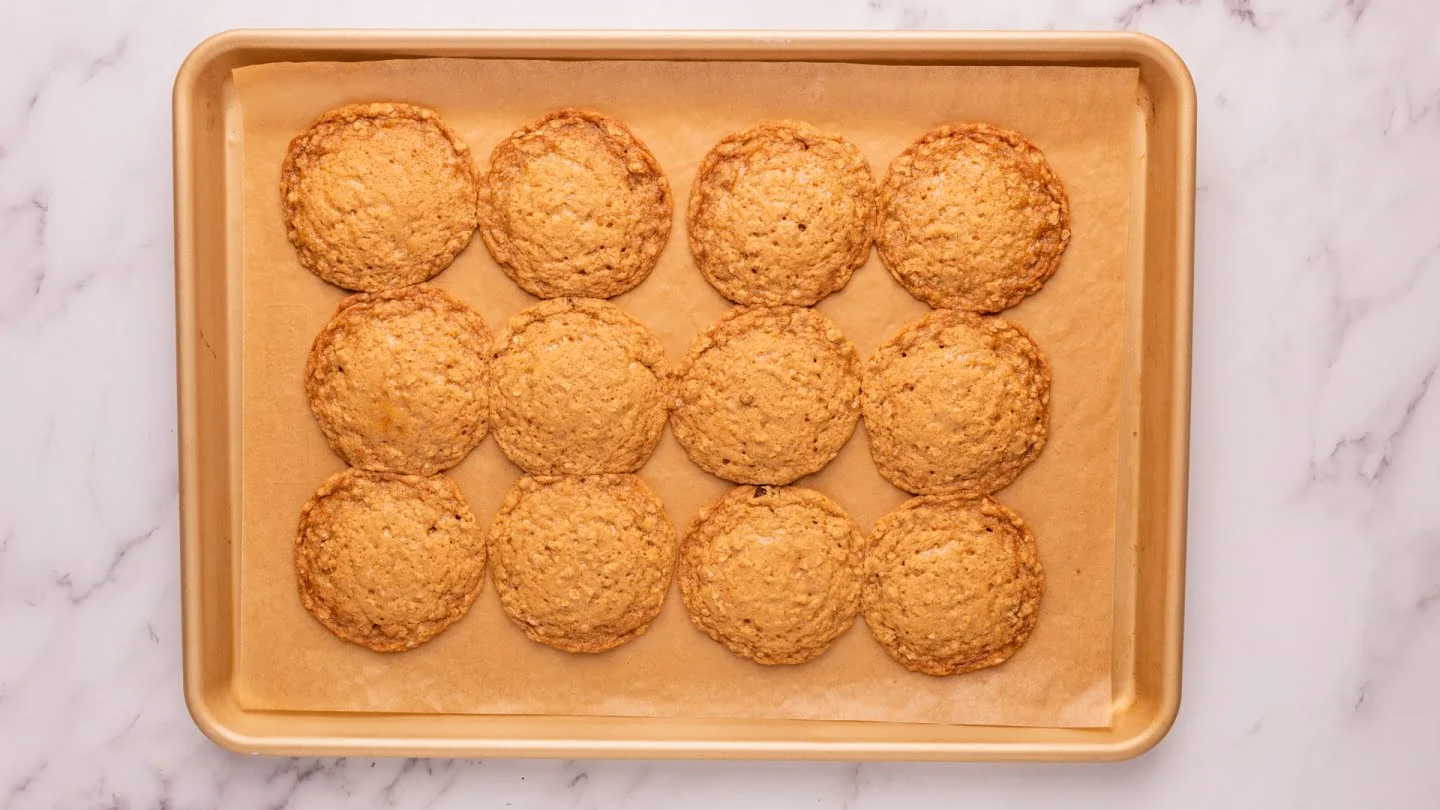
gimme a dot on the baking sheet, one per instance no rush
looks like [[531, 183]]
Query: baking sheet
[[1085, 119]]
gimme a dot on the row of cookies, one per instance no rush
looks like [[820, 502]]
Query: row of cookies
[[955, 403], [777, 574], [409, 381], [968, 217], [384, 195], [584, 564]]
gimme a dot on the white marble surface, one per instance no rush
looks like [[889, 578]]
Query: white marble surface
[[1313, 622]]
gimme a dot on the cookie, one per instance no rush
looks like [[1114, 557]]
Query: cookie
[[398, 380], [575, 205], [781, 213], [951, 585], [388, 561], [578, 387], [582, 563], [956, 403], [972, 217], [377, 196], [767, 395], [772, 573]]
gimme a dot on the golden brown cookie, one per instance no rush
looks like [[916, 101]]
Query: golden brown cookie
[[781, 213], [388, 561], [575, 205], [772, 573], [956, 403], [377, 196], [972, 217], [951, 585], [767, 395], [578, 387], [398, 380], [582, 563]]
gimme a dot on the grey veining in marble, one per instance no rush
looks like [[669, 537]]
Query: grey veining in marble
[[1313, 618]]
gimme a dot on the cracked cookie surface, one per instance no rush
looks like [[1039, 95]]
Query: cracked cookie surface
[[951, 585], [767, 395], [378, 196], [398, 380], [575, 205], [772, 573], [972, 217], [781, 213], [388, 561], [956, 403], [578, 387], [582, 564]]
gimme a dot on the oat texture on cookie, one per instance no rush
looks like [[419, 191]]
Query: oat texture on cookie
[[388, 561], [772, 573], [578, 387], [781, 213], [575, 205], [767, 395], [952, 585], [956, 403], [398, 380], [582, 563], [972, 217], [377, 196]]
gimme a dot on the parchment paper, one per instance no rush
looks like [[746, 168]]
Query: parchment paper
[[1084, 118]]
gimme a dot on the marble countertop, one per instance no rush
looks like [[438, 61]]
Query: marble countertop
[[1312, 647]]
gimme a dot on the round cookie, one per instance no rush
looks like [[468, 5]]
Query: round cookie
[[578, 387], [772, 573], [951, 585], [582, 563], [388, 561], [972, 217], [767, 395], [377, 196], [398, 380], [781, 213], [956, 403], [575, 205]]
